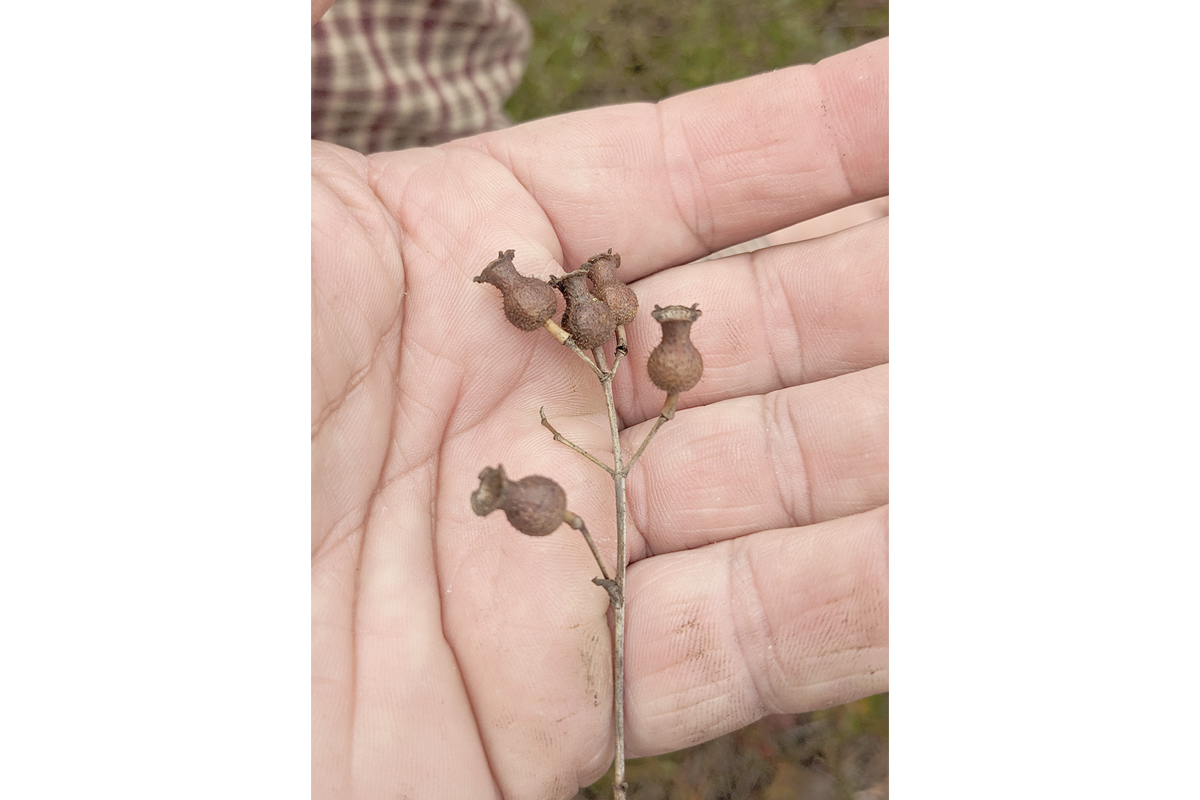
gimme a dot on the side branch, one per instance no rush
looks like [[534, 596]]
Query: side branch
[[558, 437], [667, 413], [565, 338]]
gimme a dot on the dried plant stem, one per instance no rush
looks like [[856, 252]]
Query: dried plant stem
[[614, 587], [565, 338], [622, 347], [576, 522], [558, 437], [618, 476], [667, 413], [600, 373]]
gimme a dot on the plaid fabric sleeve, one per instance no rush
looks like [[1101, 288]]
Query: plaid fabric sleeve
[[389, 74]]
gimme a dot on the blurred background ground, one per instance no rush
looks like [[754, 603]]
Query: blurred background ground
[[840, 753], [588, 53], [597, 52]]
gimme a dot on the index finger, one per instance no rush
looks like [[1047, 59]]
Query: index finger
[[667, 183]]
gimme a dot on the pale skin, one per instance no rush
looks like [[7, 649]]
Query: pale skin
[[453, 657]]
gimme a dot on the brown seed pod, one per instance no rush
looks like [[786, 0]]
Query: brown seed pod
[[675, 365], [609, 289], [534, 505], [587, 319], [528, 302]]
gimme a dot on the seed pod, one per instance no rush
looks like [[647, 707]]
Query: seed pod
[[534, 505], [609, 289], [528, 302], [675, 365], [587, 319]]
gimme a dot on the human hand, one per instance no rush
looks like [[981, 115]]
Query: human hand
[[454, 657]]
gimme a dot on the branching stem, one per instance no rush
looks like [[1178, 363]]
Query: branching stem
[[558, 437], [565, 338], [614, 586], [667, 413], [576, 522], [619, 785]]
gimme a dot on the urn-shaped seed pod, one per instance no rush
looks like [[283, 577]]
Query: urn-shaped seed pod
[[608, 288], [587, 319], [675, 365], [528, 302], [535, 505]]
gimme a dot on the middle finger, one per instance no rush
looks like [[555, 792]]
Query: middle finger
[[771, 319], [794, 457]]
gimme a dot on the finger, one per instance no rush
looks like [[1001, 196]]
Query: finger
[[387, 694], [665, 184], [776, 622], [770, 319], [357, 283], [799, 456]]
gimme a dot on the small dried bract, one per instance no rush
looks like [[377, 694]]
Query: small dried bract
[[675, 365], [528, 302], [535, 505]]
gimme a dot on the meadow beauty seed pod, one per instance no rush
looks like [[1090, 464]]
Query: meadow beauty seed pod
[[675, 365], [609, 289], [535, 505], [589, 321], [528, 302]]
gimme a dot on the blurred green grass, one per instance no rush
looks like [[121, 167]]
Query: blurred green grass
[[600, 52], [839, 753]]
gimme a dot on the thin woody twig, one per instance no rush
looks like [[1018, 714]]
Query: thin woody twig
[[558, 437], [606, 583], [667, 413], [576, 522], [565, 338], [599, 373], [620, 786], [622, 347]]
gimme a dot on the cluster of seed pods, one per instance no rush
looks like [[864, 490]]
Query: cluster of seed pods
[[598, 306]]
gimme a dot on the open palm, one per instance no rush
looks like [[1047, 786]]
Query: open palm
[[454, 657]]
